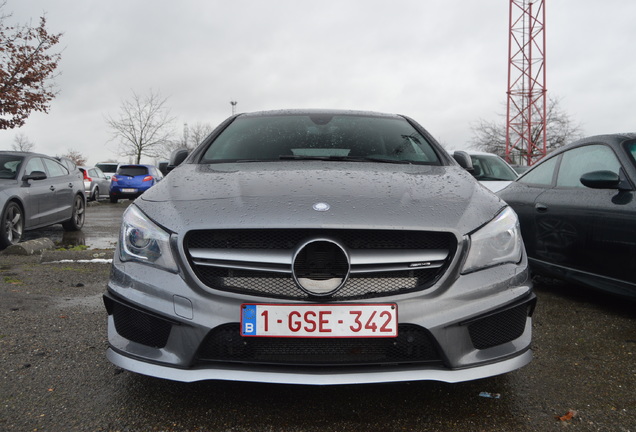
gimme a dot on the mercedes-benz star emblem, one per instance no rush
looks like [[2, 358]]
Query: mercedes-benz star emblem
[[321, 206]]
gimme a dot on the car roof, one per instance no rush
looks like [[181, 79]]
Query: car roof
[[22, 153], [616, 138], [291, 112], [474, 152]]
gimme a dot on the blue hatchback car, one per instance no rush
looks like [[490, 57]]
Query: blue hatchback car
[[130, 181]]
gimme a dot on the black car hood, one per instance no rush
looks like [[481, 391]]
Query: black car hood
[[284, 194]]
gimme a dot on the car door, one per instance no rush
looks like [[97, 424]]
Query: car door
[[61, 184], [522, 196], [590, 230], [102, 182], [37, 196]]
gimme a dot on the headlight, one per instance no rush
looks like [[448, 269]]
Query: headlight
[[496, 243], [143, 241]]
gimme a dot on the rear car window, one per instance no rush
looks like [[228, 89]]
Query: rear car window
[[55, 168], [132, 171], [108, 167], [315, 135], [542, 174]]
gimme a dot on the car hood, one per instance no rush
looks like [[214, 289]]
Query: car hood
[[495, 185], [284, 194]]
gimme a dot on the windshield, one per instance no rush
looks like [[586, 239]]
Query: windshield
[[9, 166], [631, 150], [326, 137], [492, 167]]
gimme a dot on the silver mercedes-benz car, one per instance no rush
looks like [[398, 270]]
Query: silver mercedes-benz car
[[319, 247]]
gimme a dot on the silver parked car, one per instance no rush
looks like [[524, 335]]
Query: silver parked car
[[96, 183], [37, 191], [491, 170], [319, 247]]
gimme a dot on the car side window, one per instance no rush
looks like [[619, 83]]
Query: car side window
[[54, 168], [582, 160], [34, 164], [541, 175]]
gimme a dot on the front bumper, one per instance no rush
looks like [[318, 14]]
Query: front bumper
[[317, 376], [479, 325]]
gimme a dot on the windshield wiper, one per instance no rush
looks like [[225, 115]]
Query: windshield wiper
[[486, 178], [344, 159]]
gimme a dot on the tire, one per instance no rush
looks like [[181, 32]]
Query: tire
[[12, 225], [113, 200], [96, 194], [76, 222]]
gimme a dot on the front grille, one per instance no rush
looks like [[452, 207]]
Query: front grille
[[414, 344], [289, 238], [499, 328], [140, 327], [264, 277]]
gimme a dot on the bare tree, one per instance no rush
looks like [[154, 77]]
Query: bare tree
[[22, 143], [27, 68], [490, 136], [192, 137], [144, 126], [197, 134], [76, 157]]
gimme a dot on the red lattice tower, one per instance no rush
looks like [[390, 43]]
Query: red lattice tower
[[526, 105]]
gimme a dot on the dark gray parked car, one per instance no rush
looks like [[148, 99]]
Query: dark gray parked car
[[319, 247], [578, 213], [36, 191]]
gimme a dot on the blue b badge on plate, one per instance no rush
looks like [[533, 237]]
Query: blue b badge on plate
[[248, 321]]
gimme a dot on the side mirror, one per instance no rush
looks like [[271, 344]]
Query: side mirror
[[35, 175], [464, 160], [601, 180], [176, 158]]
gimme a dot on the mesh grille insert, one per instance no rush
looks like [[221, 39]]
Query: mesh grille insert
[[414, 344], [499, 328], [140, 327]]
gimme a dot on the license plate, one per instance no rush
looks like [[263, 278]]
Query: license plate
[[319, 320], [128, 190]]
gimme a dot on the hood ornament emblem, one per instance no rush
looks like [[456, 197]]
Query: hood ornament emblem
[[321, 207]]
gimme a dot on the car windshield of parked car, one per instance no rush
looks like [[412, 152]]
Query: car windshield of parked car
[[631, 150], [9, 166], [582, 160], [493, 168], [132, 171], [326, 137]]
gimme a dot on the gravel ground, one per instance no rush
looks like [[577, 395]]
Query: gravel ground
[[55, 377]]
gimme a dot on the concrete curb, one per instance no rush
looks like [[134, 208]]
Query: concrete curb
[[29, 247], [69, 255]]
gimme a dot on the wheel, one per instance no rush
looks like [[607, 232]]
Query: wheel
[[113, 199], [76, 222], [12, 224], [96, 194]]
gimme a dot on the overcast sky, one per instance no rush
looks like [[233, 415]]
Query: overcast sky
[[443, 63]]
